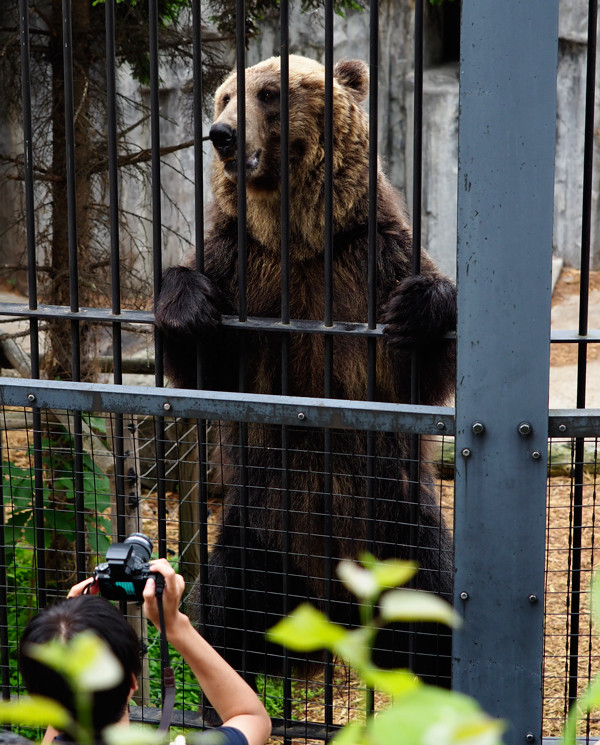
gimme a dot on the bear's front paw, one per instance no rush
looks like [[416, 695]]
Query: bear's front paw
[[187, 304], [420, 310]]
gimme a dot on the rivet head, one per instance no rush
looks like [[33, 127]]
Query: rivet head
[[31, 397], [301, 416], [530, 737], [466, 452], [525, 429], [441, 426], [562, 427], [533, 599], [464, 595], [536, 455], [477, 428], [167, 406]]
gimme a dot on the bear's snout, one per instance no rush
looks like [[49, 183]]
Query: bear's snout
[[223, 138]]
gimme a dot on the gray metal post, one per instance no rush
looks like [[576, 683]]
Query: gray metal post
[[505, 203]]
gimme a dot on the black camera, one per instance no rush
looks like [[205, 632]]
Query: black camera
[[123, 576]]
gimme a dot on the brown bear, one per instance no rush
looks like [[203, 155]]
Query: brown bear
[[297, 500]]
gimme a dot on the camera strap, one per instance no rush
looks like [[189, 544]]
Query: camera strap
[[168, 676]]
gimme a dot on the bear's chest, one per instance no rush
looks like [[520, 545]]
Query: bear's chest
[[306, 291]]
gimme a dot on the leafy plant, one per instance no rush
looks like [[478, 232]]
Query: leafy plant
[[419, 714], [187, 690], [589, 700], [270, 691], [58, 463]]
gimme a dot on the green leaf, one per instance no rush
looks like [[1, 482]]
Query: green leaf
[[369, 580], [358, 580], [390, 572], [135, 734], [591, 698], [64, 523], [98, 534], [416, 605], [434, 715], [354, 647], [395, 682], [587, 702], [35, 711], [350, 734], [20, 519], [306, 629], [96, 488], [86, 661], [98, 423], [64, 485]]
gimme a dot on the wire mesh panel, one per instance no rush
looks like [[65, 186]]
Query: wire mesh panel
[[570, 654], [28, 538]]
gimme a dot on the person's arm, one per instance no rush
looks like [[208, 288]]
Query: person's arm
[[233, 699]]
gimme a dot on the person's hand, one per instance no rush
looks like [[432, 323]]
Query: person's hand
[[172, 594], [80, 588]]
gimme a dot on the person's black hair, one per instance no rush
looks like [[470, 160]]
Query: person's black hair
[[62, 622]]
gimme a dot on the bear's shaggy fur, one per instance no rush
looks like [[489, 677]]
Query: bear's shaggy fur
[[337, 503]]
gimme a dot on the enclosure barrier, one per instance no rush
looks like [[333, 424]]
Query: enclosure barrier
[[523, 543]]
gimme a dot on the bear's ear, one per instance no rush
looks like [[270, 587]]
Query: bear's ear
[[353, 74]]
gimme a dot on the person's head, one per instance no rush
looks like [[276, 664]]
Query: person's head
[[62, 622]]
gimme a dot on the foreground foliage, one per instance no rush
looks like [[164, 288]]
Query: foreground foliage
[[419, 714]]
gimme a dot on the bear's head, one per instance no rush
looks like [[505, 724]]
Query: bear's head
[[306, 132]]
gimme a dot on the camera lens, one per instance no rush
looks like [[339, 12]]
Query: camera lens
[[142, 545]]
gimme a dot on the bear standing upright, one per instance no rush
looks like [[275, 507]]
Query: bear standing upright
[[337, 504]]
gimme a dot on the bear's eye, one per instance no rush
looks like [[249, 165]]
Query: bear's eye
[[225, 100], [268, 95]]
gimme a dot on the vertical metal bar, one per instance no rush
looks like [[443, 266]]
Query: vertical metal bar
[[586, 229], [28, 160], [199, 233], [328, 340], [115, 263], [284, 99], [198, 153], [113, 183], [417, 200], [414, 474], [157, 255], [241, 164], [79, 505], [372, 276], [242, 289], [4, 648], [417, 139], [505, 218], [32, 285], [70, 165], [285, 162]]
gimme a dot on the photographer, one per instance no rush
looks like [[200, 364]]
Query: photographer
[[245, 721]]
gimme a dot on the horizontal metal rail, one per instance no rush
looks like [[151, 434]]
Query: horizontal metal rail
[[240, 407], [193, 720], [104, 315], [574, 423], [263, 409], [347, 328], [570, 336]]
